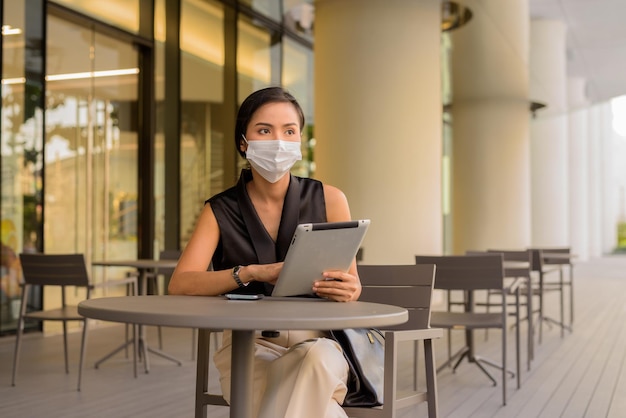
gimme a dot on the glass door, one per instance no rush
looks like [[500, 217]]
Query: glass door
[[90, 169]]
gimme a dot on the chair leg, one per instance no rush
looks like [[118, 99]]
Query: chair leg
[[541, 294], [83, 347], [67, 367], [431, 379], [571, 296], [518, 338], [20, 331], [488, 310], [202, 372], [504, 357], [562, 296], [531, 324], [194, 339], [135, 348], [416, 363]]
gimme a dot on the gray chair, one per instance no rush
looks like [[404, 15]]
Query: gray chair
[[545, 262], [470, 274], [53, 270], [517, 265], [409, 286]]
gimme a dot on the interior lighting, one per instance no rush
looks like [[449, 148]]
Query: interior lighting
[[17, 80], [92, 74], [9, 30]]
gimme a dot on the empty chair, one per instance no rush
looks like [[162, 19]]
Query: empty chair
[[153, 287], [409, 286], [469, 274], [53, 270], [517, 265], [545, 262]]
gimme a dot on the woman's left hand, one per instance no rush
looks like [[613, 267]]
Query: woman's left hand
[[338, 286]]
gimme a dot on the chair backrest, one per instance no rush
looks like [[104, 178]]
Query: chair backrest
[[54, 269], [168, 255], [522, 256], [408, 286], [466, 272], [545, 255]]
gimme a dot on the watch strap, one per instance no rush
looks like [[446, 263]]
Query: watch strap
[[235, 274]]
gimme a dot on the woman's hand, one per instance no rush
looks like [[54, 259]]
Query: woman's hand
[[338, 286], [267, 273]]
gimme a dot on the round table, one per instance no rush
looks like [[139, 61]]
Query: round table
[[243, 318]]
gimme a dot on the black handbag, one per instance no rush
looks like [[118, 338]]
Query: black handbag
[[364, 350]]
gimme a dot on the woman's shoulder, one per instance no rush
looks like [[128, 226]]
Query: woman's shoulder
[[332, 193], [226, 195]]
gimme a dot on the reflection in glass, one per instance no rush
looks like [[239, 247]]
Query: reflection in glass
[[269, 8], [202, 108], [121, 13], [21, 166], [91, 144], [297, 77]]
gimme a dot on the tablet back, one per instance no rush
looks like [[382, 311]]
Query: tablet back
[[315, 248]]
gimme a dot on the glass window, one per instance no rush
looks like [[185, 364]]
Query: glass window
[[159, 136], [202, 108], [121, 13], [299, 17], [21, 166], [91, 143], [297, 77], [258, 57], [269, 8]]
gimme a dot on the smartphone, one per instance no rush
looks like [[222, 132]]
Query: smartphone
[[238, 296]]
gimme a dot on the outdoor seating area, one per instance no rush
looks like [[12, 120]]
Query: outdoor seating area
[[579, 374]]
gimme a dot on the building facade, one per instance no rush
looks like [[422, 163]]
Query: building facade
[[117, 119]]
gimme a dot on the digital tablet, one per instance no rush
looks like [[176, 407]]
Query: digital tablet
[[316, 248]]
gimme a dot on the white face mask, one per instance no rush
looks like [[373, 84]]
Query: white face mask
[[272, 159]]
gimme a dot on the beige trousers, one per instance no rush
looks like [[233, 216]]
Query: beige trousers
[[297, 375]]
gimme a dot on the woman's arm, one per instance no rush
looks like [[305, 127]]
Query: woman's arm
[[346, 286], [191, 276]]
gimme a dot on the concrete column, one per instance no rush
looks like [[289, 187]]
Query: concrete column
[[490, 119], [578, 132], [378, 120], [595, 204], [549, 150], [610, 160]]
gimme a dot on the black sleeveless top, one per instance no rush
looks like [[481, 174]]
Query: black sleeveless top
[[243, 238]]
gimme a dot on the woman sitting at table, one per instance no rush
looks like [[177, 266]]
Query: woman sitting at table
[[245, 232]]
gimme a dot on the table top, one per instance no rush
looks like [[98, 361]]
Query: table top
[[138, 263], [217, 312]]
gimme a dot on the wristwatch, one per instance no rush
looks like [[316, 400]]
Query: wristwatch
[[235, 274]]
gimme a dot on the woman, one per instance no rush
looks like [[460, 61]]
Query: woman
[[245, 232]]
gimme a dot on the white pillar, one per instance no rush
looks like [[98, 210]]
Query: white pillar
[[549, 150], [610, 185], [490, 119], [578, 132], [595, 181], [378, 120]]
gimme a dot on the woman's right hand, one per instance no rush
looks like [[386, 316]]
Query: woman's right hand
[[267, 273]]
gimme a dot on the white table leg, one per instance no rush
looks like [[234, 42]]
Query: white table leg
[[242, 372]]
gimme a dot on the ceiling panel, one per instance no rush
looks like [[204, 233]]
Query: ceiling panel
[[596, 41]]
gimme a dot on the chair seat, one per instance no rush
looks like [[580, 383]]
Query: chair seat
[[465, 320], [67, 313]]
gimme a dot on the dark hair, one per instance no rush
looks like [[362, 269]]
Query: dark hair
[[257, 99]]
